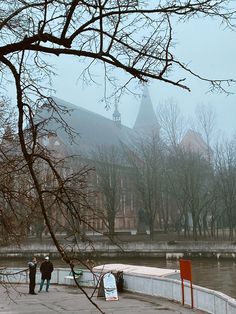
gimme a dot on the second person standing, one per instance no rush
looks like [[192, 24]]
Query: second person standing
[[46, 270]]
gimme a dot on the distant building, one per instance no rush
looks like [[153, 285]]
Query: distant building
[[90, 131], [192, 141]]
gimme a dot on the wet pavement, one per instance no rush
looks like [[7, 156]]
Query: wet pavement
[[64, 299]]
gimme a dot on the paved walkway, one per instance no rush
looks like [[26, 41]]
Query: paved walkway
[[63, 299]]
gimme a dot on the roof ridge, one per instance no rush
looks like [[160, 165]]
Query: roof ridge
[[86, 110]]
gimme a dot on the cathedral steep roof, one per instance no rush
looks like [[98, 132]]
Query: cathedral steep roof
[[90, 129], [146, 120]]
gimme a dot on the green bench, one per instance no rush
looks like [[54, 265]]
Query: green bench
[[78, 273]]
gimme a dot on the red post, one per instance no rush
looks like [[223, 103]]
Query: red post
[[191, 287], [186, 274], [182, 285]]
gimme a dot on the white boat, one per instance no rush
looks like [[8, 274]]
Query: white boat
[[138, 270]]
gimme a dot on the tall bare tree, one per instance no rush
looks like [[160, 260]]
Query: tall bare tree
[[146, 159], [108, 167], [16, 201], [206, 123], [190, 185], [171, 122], [225, 165]]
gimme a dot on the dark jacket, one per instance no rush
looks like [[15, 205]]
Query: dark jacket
[[46, 270], [32, 269]]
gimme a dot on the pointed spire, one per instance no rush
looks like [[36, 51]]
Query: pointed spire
[[116, 115], [146, 120]]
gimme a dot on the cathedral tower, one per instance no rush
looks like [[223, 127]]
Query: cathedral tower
[[146, 121]]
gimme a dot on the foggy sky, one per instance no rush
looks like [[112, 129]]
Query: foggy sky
[[204, 45]]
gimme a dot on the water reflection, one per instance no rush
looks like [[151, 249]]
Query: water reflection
[[210, 273]]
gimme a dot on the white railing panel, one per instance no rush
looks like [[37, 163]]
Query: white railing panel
[[220, 303]]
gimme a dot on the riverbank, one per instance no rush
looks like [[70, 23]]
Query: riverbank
[[101, 247]]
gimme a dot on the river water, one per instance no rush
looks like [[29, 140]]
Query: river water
[[210, 273]]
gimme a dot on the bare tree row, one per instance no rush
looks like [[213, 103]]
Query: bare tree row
[[176, 188]]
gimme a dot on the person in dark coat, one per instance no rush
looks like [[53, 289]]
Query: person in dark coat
[[46, 270], [32, 274]]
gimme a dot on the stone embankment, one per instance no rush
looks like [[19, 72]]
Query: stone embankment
[[204, 299], [168, 250]]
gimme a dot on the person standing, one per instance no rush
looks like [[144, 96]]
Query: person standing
[[46, 270], [32, 274]]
